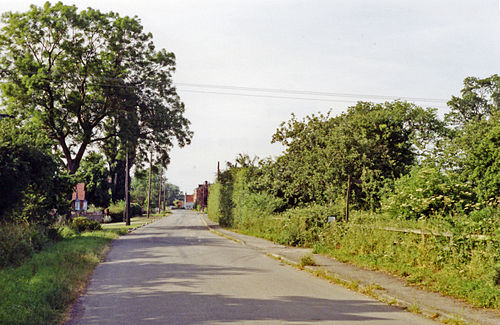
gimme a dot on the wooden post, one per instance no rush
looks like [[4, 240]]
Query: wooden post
[[347, 198], [164, 195], [149, 182], [127, 190], [159, 192]]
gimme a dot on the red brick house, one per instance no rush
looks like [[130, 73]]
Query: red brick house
[[188, 201], [78, 200]]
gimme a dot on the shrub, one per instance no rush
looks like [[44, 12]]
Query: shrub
[[302, 226], [307, 260], [117, 210], [20, 240], [427, 192], [81, 224]]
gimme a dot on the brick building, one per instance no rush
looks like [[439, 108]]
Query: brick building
[[201, 195]]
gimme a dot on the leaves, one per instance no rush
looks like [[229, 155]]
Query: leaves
[[80, 72]]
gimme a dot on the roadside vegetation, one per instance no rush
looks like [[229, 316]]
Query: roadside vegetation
[[40, 290], [423, 192]]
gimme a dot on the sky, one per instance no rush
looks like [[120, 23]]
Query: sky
[[365, 48]]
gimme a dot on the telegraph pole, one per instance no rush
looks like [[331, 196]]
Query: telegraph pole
[[149, 182], [127, 189]]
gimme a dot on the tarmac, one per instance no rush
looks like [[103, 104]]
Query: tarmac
[[382, 286]]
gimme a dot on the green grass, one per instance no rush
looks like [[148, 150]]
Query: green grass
[[41, 289]]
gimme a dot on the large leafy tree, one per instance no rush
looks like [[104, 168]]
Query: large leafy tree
[[474, 150], [370, 142], [479, 99], [87, 77]]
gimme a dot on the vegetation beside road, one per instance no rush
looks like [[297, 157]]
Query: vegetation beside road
[[436, 181], [40, 290]]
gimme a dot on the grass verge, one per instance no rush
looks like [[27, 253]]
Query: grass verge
[[40, 290], [457, 266]]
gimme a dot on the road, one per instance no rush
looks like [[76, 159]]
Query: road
[[175, 271]]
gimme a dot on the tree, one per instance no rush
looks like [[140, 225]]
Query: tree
[[371, 143], [32, 183], [479, 99], [88, 77]]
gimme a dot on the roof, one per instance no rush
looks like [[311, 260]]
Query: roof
[[79, 192]]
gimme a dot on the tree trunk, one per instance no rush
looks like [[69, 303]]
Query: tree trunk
[[149, 182], [127, 190]]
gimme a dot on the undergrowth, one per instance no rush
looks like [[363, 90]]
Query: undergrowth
[[40, 290]]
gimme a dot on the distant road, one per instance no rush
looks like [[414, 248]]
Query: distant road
[[177, 272]]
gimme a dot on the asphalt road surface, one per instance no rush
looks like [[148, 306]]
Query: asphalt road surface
[[175, 271]]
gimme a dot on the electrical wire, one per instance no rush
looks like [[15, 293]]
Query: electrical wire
[[308, 92], [269, 96]]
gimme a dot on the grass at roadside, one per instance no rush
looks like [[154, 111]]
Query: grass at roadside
[[41, 289], [458, 265]]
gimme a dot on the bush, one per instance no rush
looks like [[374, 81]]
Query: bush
[[19, 241], [302, 226], [32, 181], [81, 224], [117, 211], [427, 192]]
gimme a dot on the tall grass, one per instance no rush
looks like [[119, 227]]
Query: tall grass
[[39, 291]]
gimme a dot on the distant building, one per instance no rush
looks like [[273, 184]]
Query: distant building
[[78, 200], [201, 195], [188, 201]]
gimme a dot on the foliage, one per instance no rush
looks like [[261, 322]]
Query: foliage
[[94, 173], [139, 191], [117, 210], [459, 266], [307, 260], [479, 99], [17, 242], [220, 200], [81, 224], [428, 192], [41, 289], [31, 183], [372, 143], [87, 76], [477, 149]]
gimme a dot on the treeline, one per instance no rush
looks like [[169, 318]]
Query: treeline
[[405, 166]]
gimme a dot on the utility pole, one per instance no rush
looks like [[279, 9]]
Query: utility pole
[[347, 199], [159, 192], [164, 195], [149, 182], [127, 189]]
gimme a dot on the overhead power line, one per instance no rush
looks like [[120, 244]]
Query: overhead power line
[[302, 92], [270, 96]]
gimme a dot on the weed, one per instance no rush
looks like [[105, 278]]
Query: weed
[[414, 309], [307, 260]]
